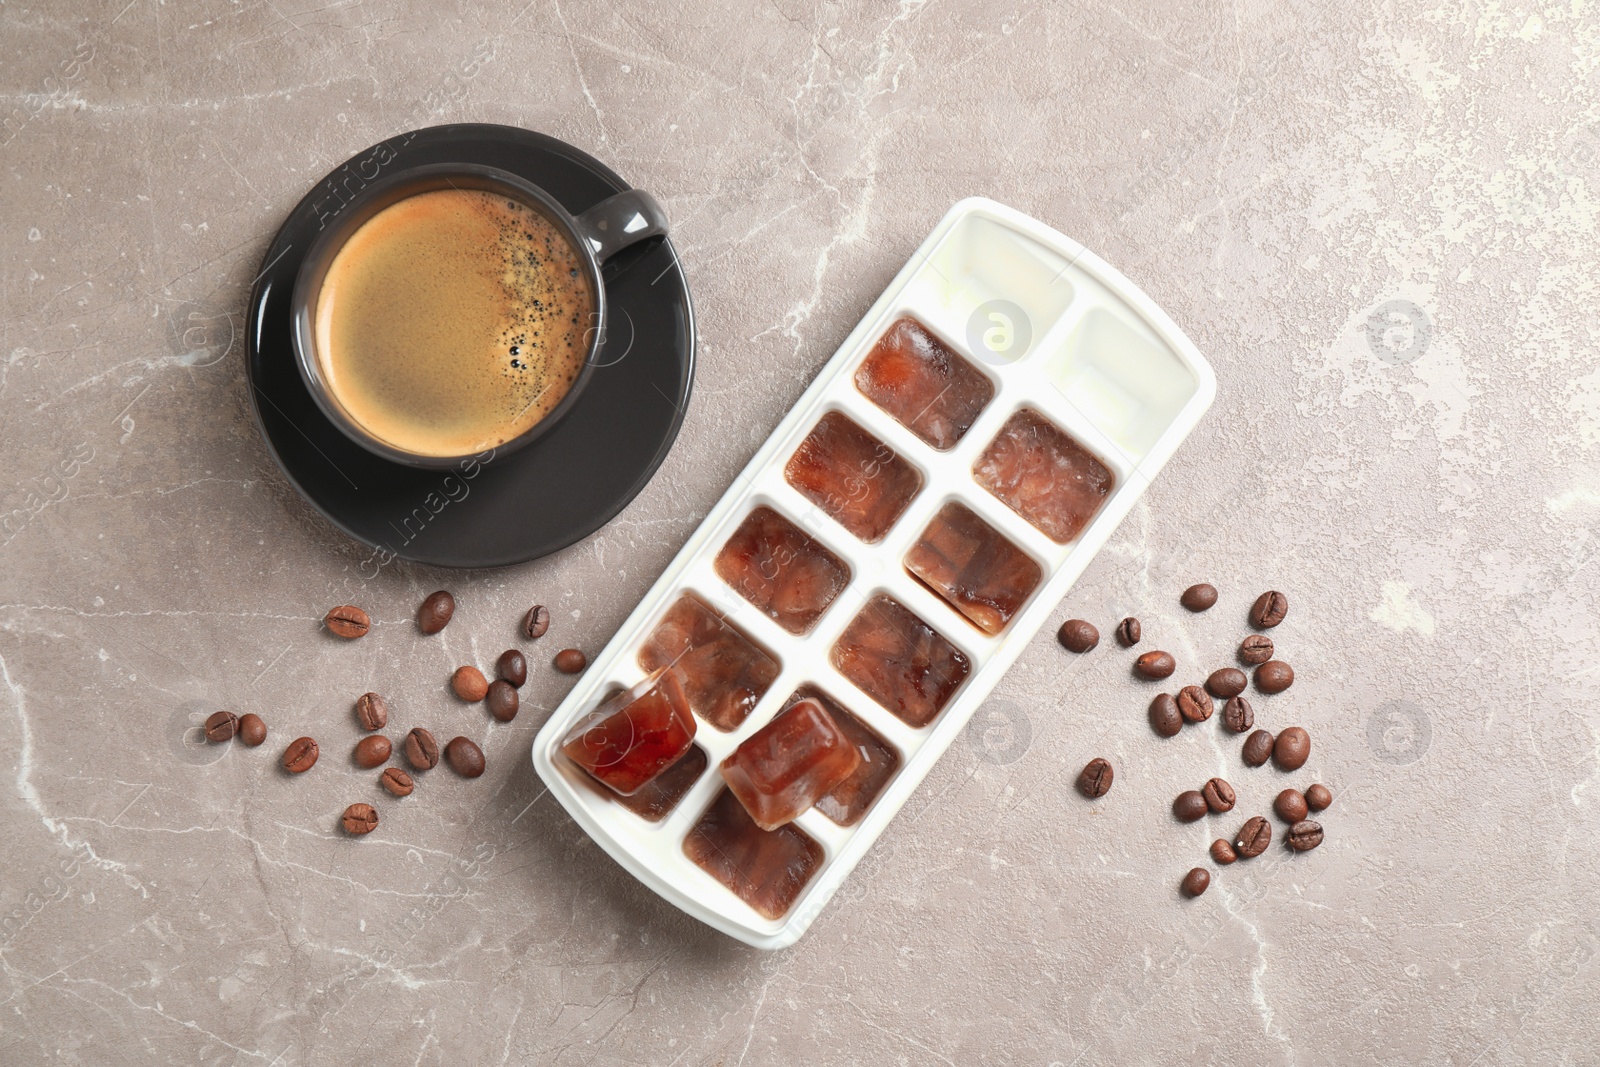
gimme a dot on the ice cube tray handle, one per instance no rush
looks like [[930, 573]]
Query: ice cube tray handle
[[618, 221]]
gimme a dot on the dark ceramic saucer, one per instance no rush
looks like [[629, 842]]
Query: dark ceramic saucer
[[526, 504]]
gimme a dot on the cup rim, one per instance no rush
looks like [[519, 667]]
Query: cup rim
[[356, 212]]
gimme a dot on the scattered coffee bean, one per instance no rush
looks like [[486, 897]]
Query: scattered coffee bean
[[396, 781], [465, 757], [1268, 610], [469, 684], [1258, 748], [1199, 597], [1095, 779], [512, 666], [1190, 805], [347, 621], [1128, 632], [252, 730], [1290, 806], [300, 756], [1165, 718], [1193, 704], [1254, 837], [1155, 665], [436, 612], [1305, 835], [1274, 676], [1219, 795], [1197, 881], [1222, 852], [1255, 650], [1238, 715], [1227, 683], [503, 701], [1077, 635], [571, 661], [360, 819], [1292, 748], [422, 751], [536, 622], [221, 726], [1318, 797], [372, 751], [372, 711]]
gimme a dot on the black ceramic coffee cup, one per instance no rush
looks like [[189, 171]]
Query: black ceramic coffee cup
[[596, 235]]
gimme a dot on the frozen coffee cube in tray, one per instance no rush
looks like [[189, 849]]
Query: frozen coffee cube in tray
[[928, 388], [784, 767], [656, 798], [724, 674], [634, 734], [900, 661], [782, 570], [767, 869], [973, 567], [846, 802], [860, 482], [1041, 473]]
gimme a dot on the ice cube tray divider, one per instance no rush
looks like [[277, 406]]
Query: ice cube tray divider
[[922, 290]]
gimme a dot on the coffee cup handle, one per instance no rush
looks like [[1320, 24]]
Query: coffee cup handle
[[621, 220]]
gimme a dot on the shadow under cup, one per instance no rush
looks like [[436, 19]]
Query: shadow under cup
[[605, 229]]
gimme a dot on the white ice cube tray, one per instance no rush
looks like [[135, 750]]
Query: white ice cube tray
[[1103, 363]]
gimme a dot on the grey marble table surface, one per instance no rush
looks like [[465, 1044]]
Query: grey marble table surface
[[1380, 223]]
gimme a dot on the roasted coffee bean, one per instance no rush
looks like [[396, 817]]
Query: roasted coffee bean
[[1199, 597], [503, 701], [347, 621], [571, 661], [252, 730], [1268, 610], [512, 666], [1274, 676], [1253, 839], [360, 819], [1226, 683], [1318, 797], [1290, 805], [396, 781], [1219, 795], [464, 756], [436, 612], [372, 751], [469, 684], [1222, 852], [1238, 715], [1165, 718], [1189, 805], [372, 711], [422, 751], [1193, 704], [1197, 881], [1077, 635], [1128, 632], [1155, 665], [221, 726], [1095, 778], [536, 622], [1305, 835], [1258, 748], [300, 756], [1292, 748], [1255, 650]]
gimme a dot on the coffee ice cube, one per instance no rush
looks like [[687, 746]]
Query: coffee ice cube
[[633, 735], [767, 869], [785, 572], [846, 802], [1041, 473], [899, 660], [973, 567], [926, 386], [783, 768], [657, 797], [860, 482], [722, 671]]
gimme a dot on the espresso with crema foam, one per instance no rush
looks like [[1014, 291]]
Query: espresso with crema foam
[[453, 321]]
